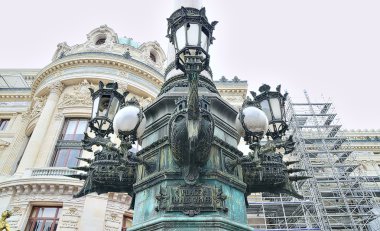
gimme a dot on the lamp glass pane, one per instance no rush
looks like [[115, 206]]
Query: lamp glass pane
[[204, 39], [276, 108], [193, 34], [181, 37], [271, 127], [103, 105], [265, 108], [95, 107], [114, 107], [182, 58]]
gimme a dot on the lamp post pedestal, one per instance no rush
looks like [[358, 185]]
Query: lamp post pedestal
[[163, 198]]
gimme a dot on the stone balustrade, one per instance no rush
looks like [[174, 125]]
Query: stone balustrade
[[49, 171]]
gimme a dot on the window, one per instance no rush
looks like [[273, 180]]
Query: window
[[68, 147], [3, 124], [100, 41], [44, 219], [152, 57]]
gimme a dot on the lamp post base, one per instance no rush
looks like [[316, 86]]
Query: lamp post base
[[204, 223]]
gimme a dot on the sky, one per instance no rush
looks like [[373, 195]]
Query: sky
[[331, 48]]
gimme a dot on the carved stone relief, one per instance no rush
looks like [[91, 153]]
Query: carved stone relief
[[56, 88], [37, 106], [70, 218], [113, 221], [142, 101], [80, 95]]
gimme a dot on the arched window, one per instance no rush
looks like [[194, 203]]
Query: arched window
[[100, 41]]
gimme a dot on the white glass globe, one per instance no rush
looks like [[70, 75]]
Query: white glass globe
[[127, 118], [255, 120]]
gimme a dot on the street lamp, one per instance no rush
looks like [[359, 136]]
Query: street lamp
[[113, 168], [106, 103], [209, 182], [191, 125], [191, 34], [273, 104], [264, 169]]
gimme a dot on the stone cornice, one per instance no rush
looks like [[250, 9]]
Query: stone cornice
[[366, 147], [15, 94], [104, 59], [37, 184], [13, 97]]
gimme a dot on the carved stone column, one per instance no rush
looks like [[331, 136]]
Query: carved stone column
[[39, 132]]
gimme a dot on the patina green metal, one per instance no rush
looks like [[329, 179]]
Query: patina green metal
[[110, 170], [189, 174]]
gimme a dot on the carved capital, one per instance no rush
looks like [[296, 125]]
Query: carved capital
[[38, 105], [56, 88]]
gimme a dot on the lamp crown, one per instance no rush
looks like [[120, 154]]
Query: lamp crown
[[264, 88]]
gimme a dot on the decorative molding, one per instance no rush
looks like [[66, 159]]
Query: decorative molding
[[56, 88], [79, 96], [37, 106], [132, 66], [3, 144], [59, 116], [71, 216], [15, 96]]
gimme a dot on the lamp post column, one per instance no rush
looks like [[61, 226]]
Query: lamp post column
[[39, 133]]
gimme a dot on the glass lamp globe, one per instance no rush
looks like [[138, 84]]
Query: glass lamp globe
[[129, 119], [251, 119]]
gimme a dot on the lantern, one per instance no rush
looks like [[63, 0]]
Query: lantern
[[191, 34], [273, 104], [106, 103]]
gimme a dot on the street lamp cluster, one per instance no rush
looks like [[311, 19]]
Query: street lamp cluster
[[190, 127]]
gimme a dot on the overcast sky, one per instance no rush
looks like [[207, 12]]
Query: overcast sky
[[328, 47]]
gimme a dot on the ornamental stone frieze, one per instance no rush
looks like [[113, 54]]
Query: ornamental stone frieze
[[58, 191], [22, 193], [143, 101], [70, 218], [77, 95], [37, 106], [113, 221], [98, 66], [104, 39], [117, 204]]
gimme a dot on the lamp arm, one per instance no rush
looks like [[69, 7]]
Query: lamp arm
[[252, 158], [131, 158]]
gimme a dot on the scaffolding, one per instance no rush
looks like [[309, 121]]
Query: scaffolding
[[339, 196]]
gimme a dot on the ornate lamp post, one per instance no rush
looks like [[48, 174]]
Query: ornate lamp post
[[192, 125], [189, 164], [110, 170], [267, 172]]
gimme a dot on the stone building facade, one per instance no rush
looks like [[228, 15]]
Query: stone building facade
[[43, 114]]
